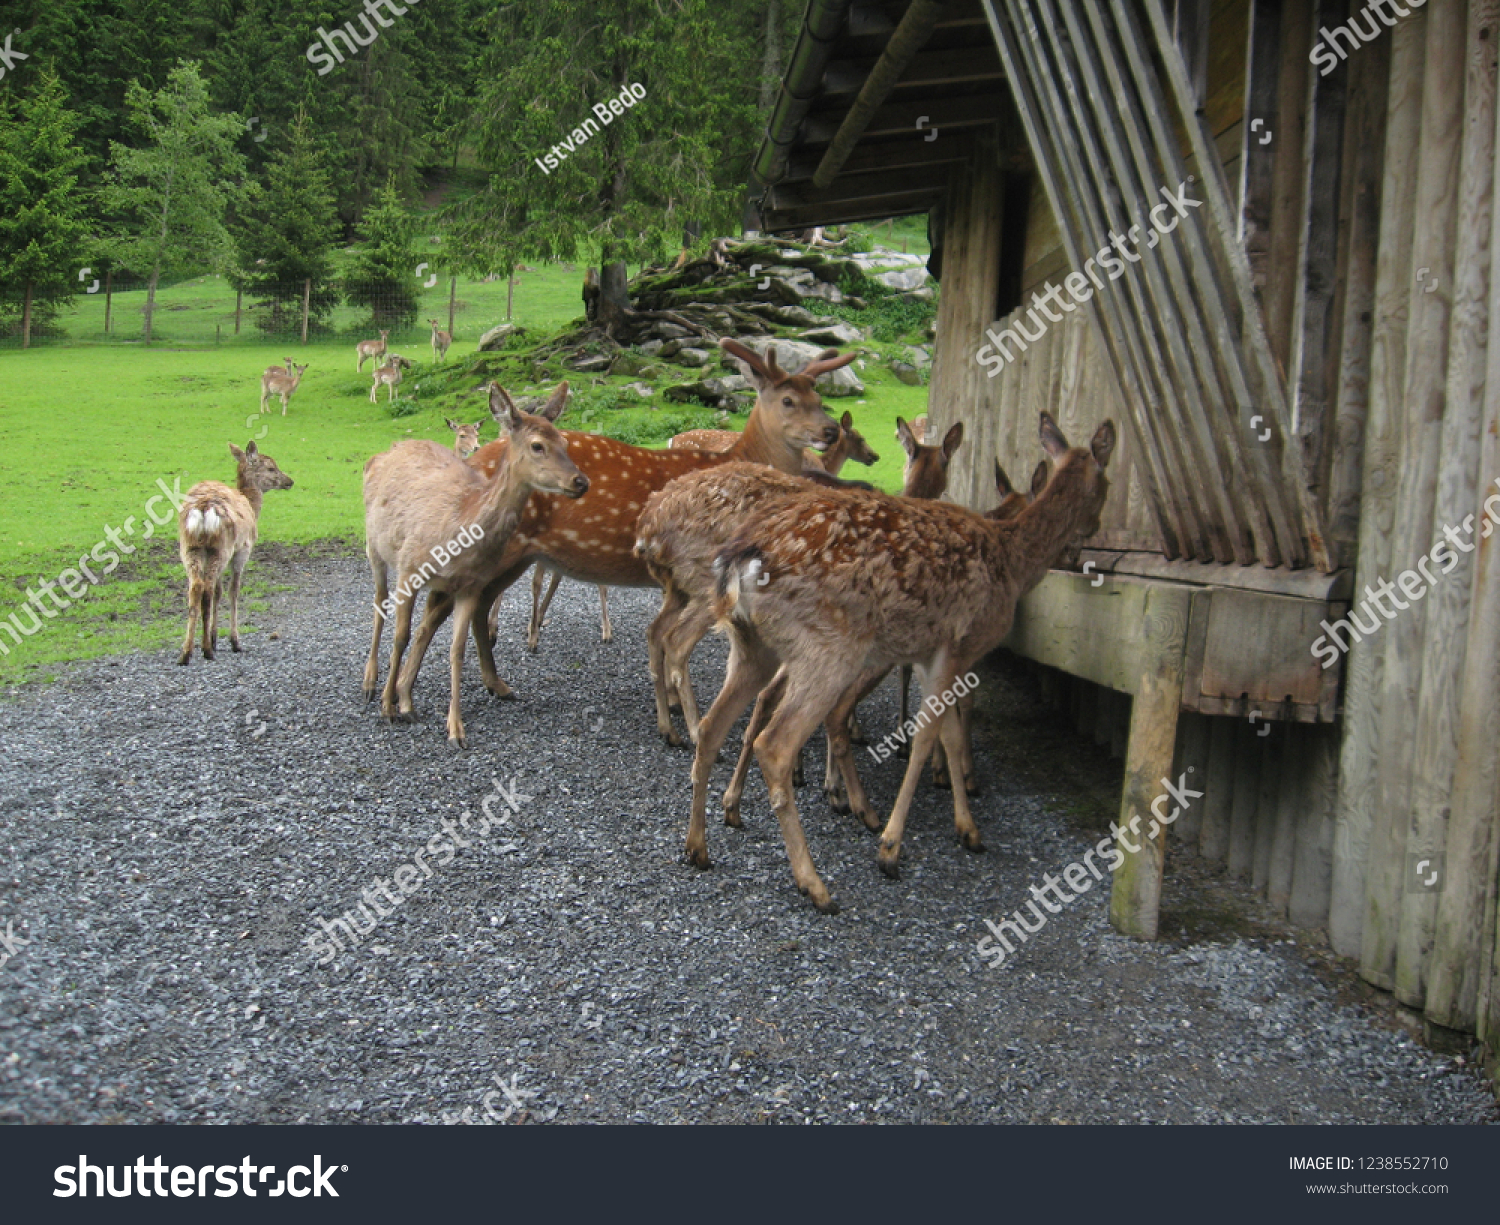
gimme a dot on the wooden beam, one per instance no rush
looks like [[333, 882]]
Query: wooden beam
[[900, 118], [953, 66], [855, 188], [839, 214], [1262, 120], [888, 155]]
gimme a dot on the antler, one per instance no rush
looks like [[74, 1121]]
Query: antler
[[829, 359]]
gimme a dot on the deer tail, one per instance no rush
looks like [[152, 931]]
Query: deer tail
[[738, 570]]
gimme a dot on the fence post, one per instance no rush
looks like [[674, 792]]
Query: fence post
[[306, 300], [218, 334], [108, 277], [239, 297], [510, 292], [452, 296]]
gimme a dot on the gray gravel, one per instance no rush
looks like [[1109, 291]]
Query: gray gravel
[[171, 837]]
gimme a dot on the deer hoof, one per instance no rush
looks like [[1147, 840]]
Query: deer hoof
[[672, 739], [234, 645], [732, 814], [973, 842], [184, 660], [836, 800], [889, 860], [698, 857], [871, 821], [208, 652], [826, 904]]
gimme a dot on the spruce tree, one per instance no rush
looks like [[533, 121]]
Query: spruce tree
[[383, 274]]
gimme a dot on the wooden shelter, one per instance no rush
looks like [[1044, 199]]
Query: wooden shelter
[[1306, 368]]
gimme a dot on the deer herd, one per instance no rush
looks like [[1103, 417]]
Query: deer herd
[[822, 585]]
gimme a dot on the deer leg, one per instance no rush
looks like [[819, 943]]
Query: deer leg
[[439, 605], [657, 639], [487, 631], [211, 616], [372, 663], [235, 572], [606, 630], [749, 671], [186, 655], [841, 754], [889, 855], [966, 723], [765, 707], [463, 614], [951, 732], [400, 635], [692, 625], [540, 604], [904, 748]]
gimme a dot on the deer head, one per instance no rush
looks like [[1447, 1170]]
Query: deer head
[[257, 469], [538, 451], [466, 436], [1079, 471], [859, 450], [790, 403], [926, 473]]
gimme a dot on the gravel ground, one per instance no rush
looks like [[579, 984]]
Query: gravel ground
[[172, 836]]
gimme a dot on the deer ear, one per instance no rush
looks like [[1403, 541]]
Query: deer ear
[[1103, 445], [500, 405], [1039, 477], [553, 409], [952, 439], [1053, 441], [236, 452], [1002, 482], [905, 437], [847, 420], [452, 424]]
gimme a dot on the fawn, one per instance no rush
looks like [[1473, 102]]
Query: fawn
[[276, 382], [440, 342], [285, 368], [370, 348], [441, 524], [591, 540], [216, 528], [465, 437], [828, 589], [389, 375]]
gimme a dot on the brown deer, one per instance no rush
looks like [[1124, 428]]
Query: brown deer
[[591, 540], [828, 589], [280, 383], [440, 342], [286, 368], [366, 349], [216, 528], [926, 471], [705, 440], [851, 445], [439, 523], [465, 436], [540, 603], [389, 376]]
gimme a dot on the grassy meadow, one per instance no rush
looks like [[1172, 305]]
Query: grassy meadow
[[88, 427]]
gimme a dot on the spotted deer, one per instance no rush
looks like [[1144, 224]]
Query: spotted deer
[[388, 376], [465, 436], [216, 530], [441, 524], [367, 349], [440, 342], [540, 603], [281, 383], [591, 540], [827, 589]]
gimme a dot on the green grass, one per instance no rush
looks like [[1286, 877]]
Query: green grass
[[88, 428]]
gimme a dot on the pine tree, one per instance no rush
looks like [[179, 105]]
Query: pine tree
[[172, 194], [383, 274], [286, 237], [44, 225]]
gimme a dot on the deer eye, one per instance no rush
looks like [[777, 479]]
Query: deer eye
[[786, 401], [537, 448]]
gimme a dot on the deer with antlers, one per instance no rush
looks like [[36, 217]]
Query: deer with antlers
[[828, 589], [440, 342], [591, 540], [216, 529], [367, 349], [277, 382], [441, 524]]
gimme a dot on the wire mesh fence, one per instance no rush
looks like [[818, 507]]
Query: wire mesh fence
[[209, 311]]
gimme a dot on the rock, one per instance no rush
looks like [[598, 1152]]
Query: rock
[[835, 334], [798, 286], [795, 316], [651, 348], [499, 337], [918, 356], [924, 294], [906, 372], [727, 392], [793, 355], [669, 348], [629, 362], [643, 390], [692, 357], [903, 279], [590, 363], [670, 331], [858, 304]]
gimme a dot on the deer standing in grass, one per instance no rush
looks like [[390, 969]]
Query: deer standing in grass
[[591, 540], [421, 503], [277, 382], [286, 368], [440, 342], [465, 436], [388, 376], [829, 589], [367, 349], [216, 528]]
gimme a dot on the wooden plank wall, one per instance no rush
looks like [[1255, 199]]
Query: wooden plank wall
[[1329, 821]]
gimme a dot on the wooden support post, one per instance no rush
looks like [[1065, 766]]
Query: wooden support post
[[108, 298], [1312, 857], [452, 301], [1135, 895], [306, 303], [1247, 757], [1192, 750], [1267, 808], [239, 300], [1218, 789]]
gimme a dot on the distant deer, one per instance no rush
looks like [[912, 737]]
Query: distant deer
[[827, 589], [389, 376], [216, 528], [926, 473], [591, 539], [281, 383], [422, 503], [440, 342], [370, 348], [465, 437], [284, 369]]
